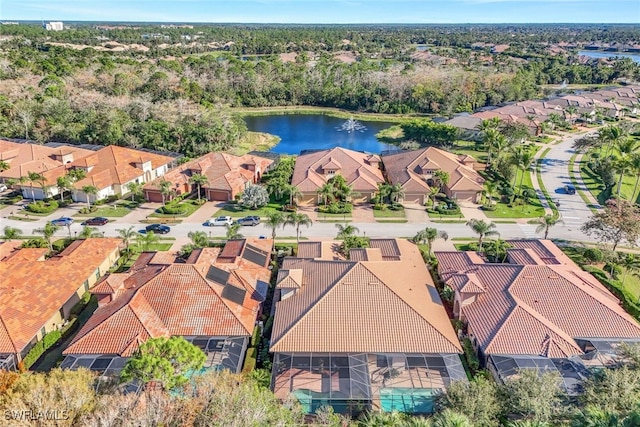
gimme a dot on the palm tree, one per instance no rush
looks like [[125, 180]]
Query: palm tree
[[146, 240], [449, 418], [48, 231], [544, 223], [89, 232], [90, 190], [327, 193], [572, 110], [136, 189], [433, 193], [4, 166], [346, 230], [625, 148], [165, 189], [274, 220], [431, 234], [524, 160], [491, 188], [396, 192], [63, 183], [384, 190], [11, 233], [34, 177], [634, 167], [482, 229], [199, 239], [630, 263], [198, 180], [233, 231], [127, 234], [293, 192], [498, 249], [297, 219], [441, 178]]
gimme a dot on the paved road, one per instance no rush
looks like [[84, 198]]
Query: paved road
[[555, 175]]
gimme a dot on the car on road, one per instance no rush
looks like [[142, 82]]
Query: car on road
[[218, 221], [99, 220], [158, 228], [249, 220], [569, 189], [63, 221]]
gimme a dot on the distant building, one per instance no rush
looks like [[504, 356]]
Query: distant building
[[54, 26]]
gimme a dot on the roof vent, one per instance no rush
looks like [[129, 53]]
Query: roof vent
[[554, 277], [373, 283]]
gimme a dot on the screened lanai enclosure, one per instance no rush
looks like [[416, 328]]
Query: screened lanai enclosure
[[406, 382]]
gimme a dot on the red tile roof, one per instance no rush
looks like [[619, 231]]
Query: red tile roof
[[32, 289], [536, 305], [155, 300]]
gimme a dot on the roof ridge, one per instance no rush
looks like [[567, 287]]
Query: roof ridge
[[297, 320], [146, 301], [410, 306]]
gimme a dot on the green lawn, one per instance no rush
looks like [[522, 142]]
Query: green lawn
[[532, 210], [237, 211], [388, 213], [632, 285], [470, 148], [333, 217], [111, 211]]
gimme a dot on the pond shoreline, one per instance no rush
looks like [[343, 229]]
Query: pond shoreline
[[326, 111]]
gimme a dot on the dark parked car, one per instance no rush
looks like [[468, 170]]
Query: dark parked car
[[158, 228], [569, 189], [249, 220], [63, 221], [99, 220]]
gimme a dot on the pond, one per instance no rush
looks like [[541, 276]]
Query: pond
[[600, 54], [318, 132]]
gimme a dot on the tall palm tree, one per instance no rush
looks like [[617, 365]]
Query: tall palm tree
[[384, 190], [274, 220], [634, 167], [498, 249], [63, 183], [431, 234], [297, 219], [199, 239], [524, 162], [491, 188], [127, 234], [625, 148], [327, 193], [165, 190], [146, 240], [198, 180], [233, 231], [630, 263], [482, 229], [396, 192], [33, 177], [572, 110], [346, 230], [433, 193], [441, 179], [11, 233], [544, 223], [48, 231], [90, 190], [136, 189]]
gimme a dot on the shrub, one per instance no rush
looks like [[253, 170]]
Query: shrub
[[41, 207], [79, 306], [250, 359], [336, 208], [593, 255], [470, 355], [396, 207], [35, 243], [492, 207], [48, 341], [12, 200], [172, 209], [199, 202], [87, 210], [379, 207]]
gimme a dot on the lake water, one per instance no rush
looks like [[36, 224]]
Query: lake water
[[318, 132], [597, 54]]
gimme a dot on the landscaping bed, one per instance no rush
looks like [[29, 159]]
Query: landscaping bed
[[179, 209], [114, 211]]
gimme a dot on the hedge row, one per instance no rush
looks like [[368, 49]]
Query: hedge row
[[41, 207], [48, 341]]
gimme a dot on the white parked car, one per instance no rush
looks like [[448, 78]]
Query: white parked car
[[221, 220], [3, 188]]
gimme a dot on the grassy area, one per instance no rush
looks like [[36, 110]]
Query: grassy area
[[594, 184], [591, 182], [469, 148], [327, 111], [112, 211], [137, 250], [550, 202], [391, 135], [449, 221], [631, 284], [441, 216], [392, 221], [190, 206], [237, 211], [258, 141], [532, 210], [388, 213]]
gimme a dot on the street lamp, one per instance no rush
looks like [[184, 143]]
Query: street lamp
[[76, 234]]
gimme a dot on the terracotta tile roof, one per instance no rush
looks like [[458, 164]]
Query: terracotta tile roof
[[176, 299], [117, 165], [32, 289], [367, 306], [359, 169], [537, 305], [223, 171], [406, 168]]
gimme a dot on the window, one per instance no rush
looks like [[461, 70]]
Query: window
[[331, 172], [85, 285], [97, 273]]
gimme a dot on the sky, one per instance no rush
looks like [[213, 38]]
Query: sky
[[326, 11]]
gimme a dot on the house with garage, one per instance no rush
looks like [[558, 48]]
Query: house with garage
[[212, 299], [37, 293], [537, 311], [415, 171], [227, 176], [360, 170], [369, 332]]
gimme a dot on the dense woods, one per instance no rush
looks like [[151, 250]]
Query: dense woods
[[175, 88]]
